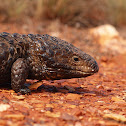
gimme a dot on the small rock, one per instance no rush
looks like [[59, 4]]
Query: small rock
[[78, 112], [99, 87], [78, 124], [4, 107], [108, 89], [117, 99], [49, 109], [39, 105], [116, 117], [72, 106], [5, 100], [73, 96], [66, 116], [109, 39], [35, 85], [104, 32], [49, 105], [104, 59], [50, 114], [89, 94], [17, 117], [124, 91], [20, 97]]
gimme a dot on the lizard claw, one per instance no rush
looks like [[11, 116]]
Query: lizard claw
[[24, 91]]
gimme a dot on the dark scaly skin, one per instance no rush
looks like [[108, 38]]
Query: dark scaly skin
[[40, 57]]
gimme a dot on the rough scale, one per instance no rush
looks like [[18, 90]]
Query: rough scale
[[40, 57]]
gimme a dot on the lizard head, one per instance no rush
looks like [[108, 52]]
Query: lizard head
[[62, 60], [75, 65]]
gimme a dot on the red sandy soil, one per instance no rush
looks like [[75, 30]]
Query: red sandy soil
[[98, 100]]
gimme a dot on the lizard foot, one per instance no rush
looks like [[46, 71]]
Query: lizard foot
[[24, 91]]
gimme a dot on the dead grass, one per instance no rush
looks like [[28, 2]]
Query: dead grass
[[80, 13], [117, 12], [72, 12], [12, 9]]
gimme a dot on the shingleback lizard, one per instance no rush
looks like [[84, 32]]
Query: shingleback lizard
[[40, 57]]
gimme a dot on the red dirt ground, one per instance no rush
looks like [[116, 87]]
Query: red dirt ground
[[98, 100]]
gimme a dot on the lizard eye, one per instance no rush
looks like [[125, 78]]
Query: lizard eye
[[75, 58]]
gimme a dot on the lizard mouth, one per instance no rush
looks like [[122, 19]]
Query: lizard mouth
[[68, 73], [79, 73]]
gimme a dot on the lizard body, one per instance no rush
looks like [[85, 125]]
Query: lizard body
[[40, 57]]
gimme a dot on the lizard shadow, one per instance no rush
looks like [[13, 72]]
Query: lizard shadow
[[5, 86], [62, 89], [70, 89]]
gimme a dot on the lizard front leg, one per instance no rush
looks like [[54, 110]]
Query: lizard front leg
[[19, 73]]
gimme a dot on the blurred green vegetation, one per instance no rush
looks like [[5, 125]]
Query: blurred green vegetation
[[84, 13]]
